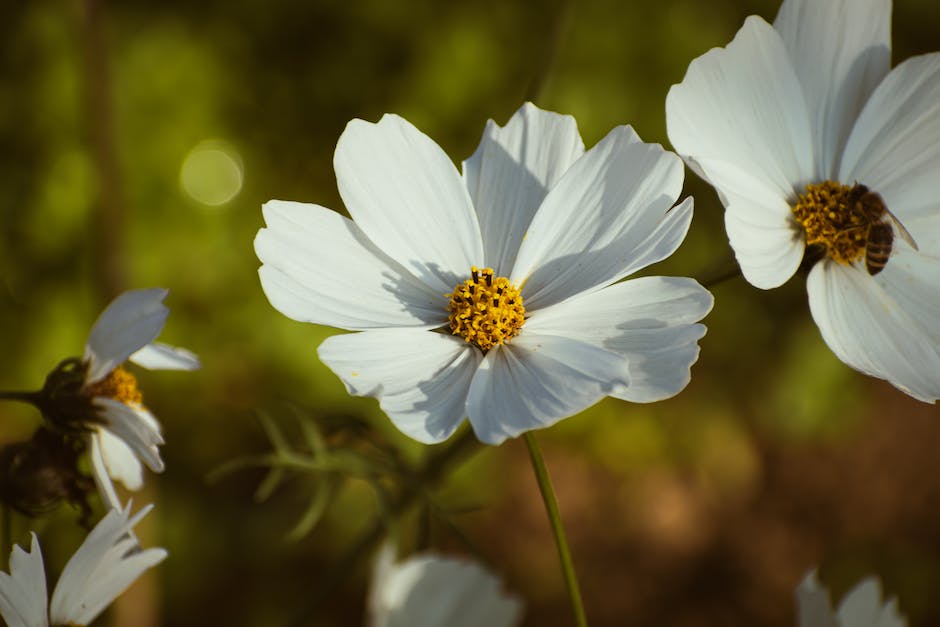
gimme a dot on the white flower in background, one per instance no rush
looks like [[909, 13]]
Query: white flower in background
[[107, 562], [811, 140], [432, 591], [492, 296], [861, 607], [124, 431]]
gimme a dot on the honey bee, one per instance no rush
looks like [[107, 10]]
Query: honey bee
[[881, 227]]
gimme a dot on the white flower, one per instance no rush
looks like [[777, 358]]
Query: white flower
[[785, 122], [861, 606], [432, 591], [492, 296], [107, 562], [124, 430]]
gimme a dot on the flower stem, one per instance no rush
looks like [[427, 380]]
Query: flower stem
[[7, 534], [23, 397], [554, 517]]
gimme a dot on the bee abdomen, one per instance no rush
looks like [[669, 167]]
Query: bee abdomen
[[878, 247]]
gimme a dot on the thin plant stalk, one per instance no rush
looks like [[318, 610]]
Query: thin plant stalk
[[558, 529]]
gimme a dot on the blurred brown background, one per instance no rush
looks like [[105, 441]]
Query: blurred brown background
[[140, 140]]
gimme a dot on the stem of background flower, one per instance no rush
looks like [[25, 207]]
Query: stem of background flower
[[7, 535], [729, 272], [23, 397], [554, 517]]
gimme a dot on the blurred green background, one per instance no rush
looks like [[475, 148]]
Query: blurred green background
[[140, 140]]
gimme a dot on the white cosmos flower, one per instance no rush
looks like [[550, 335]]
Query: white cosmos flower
[[107, 562], [432, 591], [557, 225], [125, 431], [812, 101], [861, 607]]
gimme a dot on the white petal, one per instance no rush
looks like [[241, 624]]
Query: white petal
[[862, 607], [767, 243], [649, 321], [840, 49], [537, 380], [812, 604], [408, 198], [100, 472], [511, 172], [608, 216], [23, 597], [319, 267], [869, 330], [894, 148], [107, 562], [912, 278], [120, 460], [131, 321], [743, 105], [432, 591], [419, 377], [135, 426], [157, 356]]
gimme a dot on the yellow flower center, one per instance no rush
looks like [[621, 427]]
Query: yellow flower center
[[119, 385], [484, 310], [833, 218]]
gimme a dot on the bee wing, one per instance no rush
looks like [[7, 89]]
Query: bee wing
[[905, 235]]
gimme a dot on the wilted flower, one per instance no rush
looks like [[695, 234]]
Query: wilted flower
[[492, 296], [37, 474], [98, 396], [433, 591], [819, 151], [861, 607], [107, 562]]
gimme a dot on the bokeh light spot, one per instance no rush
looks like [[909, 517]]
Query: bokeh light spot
[[212, 173]]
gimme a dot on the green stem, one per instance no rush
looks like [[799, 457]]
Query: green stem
[[554, 517]]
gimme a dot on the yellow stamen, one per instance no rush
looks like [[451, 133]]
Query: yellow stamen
[[119, 385], [484, 310], [827, 220]]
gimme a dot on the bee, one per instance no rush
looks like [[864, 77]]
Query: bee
[[882, 225]]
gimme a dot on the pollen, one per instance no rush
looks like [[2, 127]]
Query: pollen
[[485, 310], [828, 221], [119, 385]]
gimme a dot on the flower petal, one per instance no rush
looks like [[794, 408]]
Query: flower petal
[[537, 380], [319, 267], [812, 604], [862, 606], [840, 50], [870, 331], [158, 356], [120, 460], [743, 105], [131, 321], [894, 148], [649, 321], [511, 172], [135, 426], [408, 198], [912, 278], [23, 596], [608, 216], [767, 243], [432, 591], [107, 562], [420, 378], [99, 471]]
